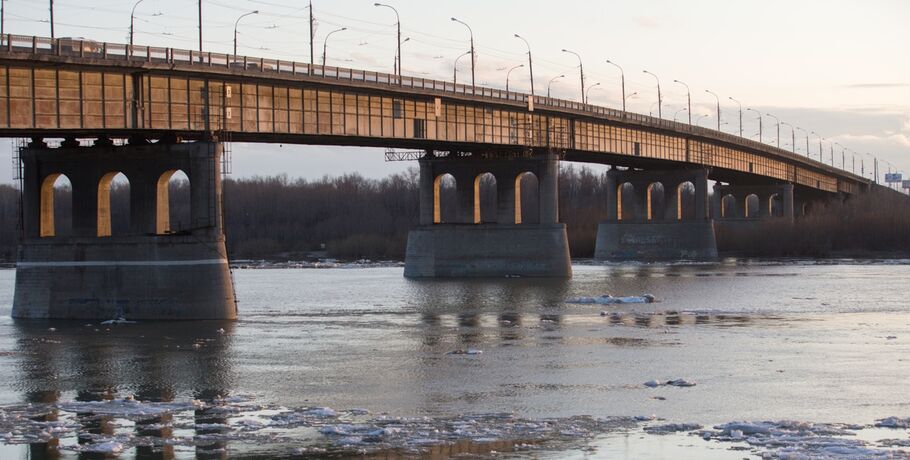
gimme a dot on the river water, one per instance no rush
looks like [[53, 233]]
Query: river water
[[361, 361]]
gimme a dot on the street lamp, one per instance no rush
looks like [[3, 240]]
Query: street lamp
[[718, 106], [778, 127], [455, 72], [509, 73], [843, 156], [625, 99], [398, 24], [622, 78], [659, 98], [700, 117], [759, 123], [235, 31], [470, 31], [550, 83], [581, 69], [740, 115], [530, 62], [52, 20], [820, 139], [807, 140], [688, 97], [589, 90], [132, 20], [792, 135], [325, 43], [684, 109]]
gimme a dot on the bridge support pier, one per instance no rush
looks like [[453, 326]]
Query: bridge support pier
[[142, 269], [731, 202], [466, 240], [656, 215]]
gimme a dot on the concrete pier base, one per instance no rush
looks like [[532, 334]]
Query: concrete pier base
[[144, 277], [152, 270], [455, 250], [656, 241]]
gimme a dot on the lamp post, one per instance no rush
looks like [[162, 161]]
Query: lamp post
[[682, 110], [589, 90], [312, 34], [792, 136], [52, 21], [807, 140], [470, 31], [509, 73], [777, 120], [325, 44], [235, 31], [530, 62], [700, 117], [550, 83], [581, 70], [740, 115], [622, 79], [688, 97], [718, 106], [659, 97], [843, 156], [759, 123], [455, 73], [398, 51], [820, 139], [200, 30], [625, 99], [132, 21]]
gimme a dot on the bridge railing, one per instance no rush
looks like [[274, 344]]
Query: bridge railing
[[77, 47]]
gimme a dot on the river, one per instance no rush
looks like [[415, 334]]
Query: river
[[361, 361]]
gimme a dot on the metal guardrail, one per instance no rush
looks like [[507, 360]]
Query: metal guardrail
[[136, 53]]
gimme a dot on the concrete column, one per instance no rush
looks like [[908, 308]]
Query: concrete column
[[143, 201], [505, 198], [716, 202], [465, 198], [427, 192], [85, 203], [548, 187], [671, 202], [205, 186], [701, 195], [31, 197], [787, 200], [611, 195]]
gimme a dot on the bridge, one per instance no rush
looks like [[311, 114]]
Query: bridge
[[149, 112]]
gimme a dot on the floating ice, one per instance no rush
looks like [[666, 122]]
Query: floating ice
[[120, 320], [672, 383], [652, 383], [672, 428], [893, 422], [469, 351], [607, 299]]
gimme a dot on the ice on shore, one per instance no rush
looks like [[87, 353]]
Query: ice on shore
[[607, 299], [120, 320]]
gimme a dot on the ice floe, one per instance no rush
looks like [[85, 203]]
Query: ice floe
[[607, 299]]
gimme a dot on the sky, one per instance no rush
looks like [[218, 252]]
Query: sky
[[838, 68]]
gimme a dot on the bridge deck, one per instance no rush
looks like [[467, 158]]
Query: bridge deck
[[62, 87]]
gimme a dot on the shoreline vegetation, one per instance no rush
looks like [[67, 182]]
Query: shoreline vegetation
[[351, 218]]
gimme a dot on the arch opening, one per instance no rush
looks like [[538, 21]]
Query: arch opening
[[728, 207], [527, 198], [113, 209], [752, 204], [775, 205], [172, 214], [56, 206], [625, 202], [485, 198], [444, 189], [685, 201], [655, 201]]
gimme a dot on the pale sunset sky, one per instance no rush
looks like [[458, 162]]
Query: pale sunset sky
[[839, 68]]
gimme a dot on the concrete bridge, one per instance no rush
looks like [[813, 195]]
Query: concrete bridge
[[172, 109]]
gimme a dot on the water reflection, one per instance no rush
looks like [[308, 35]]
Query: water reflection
[[151, 362]]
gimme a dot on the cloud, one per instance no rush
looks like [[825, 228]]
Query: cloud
[[647, 22], [877, 85]]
